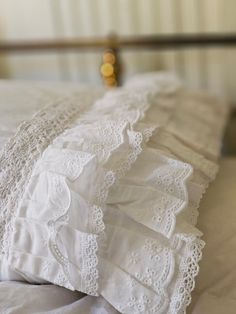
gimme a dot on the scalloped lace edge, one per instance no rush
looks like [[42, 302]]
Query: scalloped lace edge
[[111, 178], [181, 297]]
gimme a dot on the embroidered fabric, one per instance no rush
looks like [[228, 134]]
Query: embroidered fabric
[[19, 154], [95, 142], [110, 206]]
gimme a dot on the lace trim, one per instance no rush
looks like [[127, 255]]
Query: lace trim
[[204, 170], [207, 167], [189, 266], [189, 269], [130, 137], [89, 256], [20, 153], [169, 194], [111, 137]]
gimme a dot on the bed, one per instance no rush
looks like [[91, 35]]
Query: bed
[[215, 286]]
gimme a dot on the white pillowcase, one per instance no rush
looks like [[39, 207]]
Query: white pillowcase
[[111, 205]]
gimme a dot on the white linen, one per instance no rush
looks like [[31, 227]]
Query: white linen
[[22, 113], [23, 298], [215, 290], [131, 240], [19, 101]]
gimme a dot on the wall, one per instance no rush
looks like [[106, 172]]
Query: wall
[[29, 19]]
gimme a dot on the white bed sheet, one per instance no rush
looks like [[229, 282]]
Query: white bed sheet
[[215, 290], [23, 298]]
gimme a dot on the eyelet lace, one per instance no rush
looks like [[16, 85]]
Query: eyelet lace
[[83, 167]]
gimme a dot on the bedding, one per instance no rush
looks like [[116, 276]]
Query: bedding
[[107, 191], [19, 101], [214, 291], [24, 298]]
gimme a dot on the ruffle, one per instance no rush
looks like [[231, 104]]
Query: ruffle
[[76, 172], [112, 203], [154, 194]]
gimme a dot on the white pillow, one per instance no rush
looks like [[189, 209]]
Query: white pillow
[[111, 204]]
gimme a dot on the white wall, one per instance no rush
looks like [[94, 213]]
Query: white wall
[[29, 19]]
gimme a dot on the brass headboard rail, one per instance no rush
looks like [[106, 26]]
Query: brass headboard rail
[[111, 71], [125, 42]]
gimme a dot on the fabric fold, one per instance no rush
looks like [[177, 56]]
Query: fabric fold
[[111, 204]]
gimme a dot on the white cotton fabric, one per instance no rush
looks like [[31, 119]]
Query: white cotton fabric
[[24, 116], [214, 291], [111, 205], [20, 100], [23, 298]]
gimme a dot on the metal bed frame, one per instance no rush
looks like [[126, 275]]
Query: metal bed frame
[[116, 44], [127, 42]]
